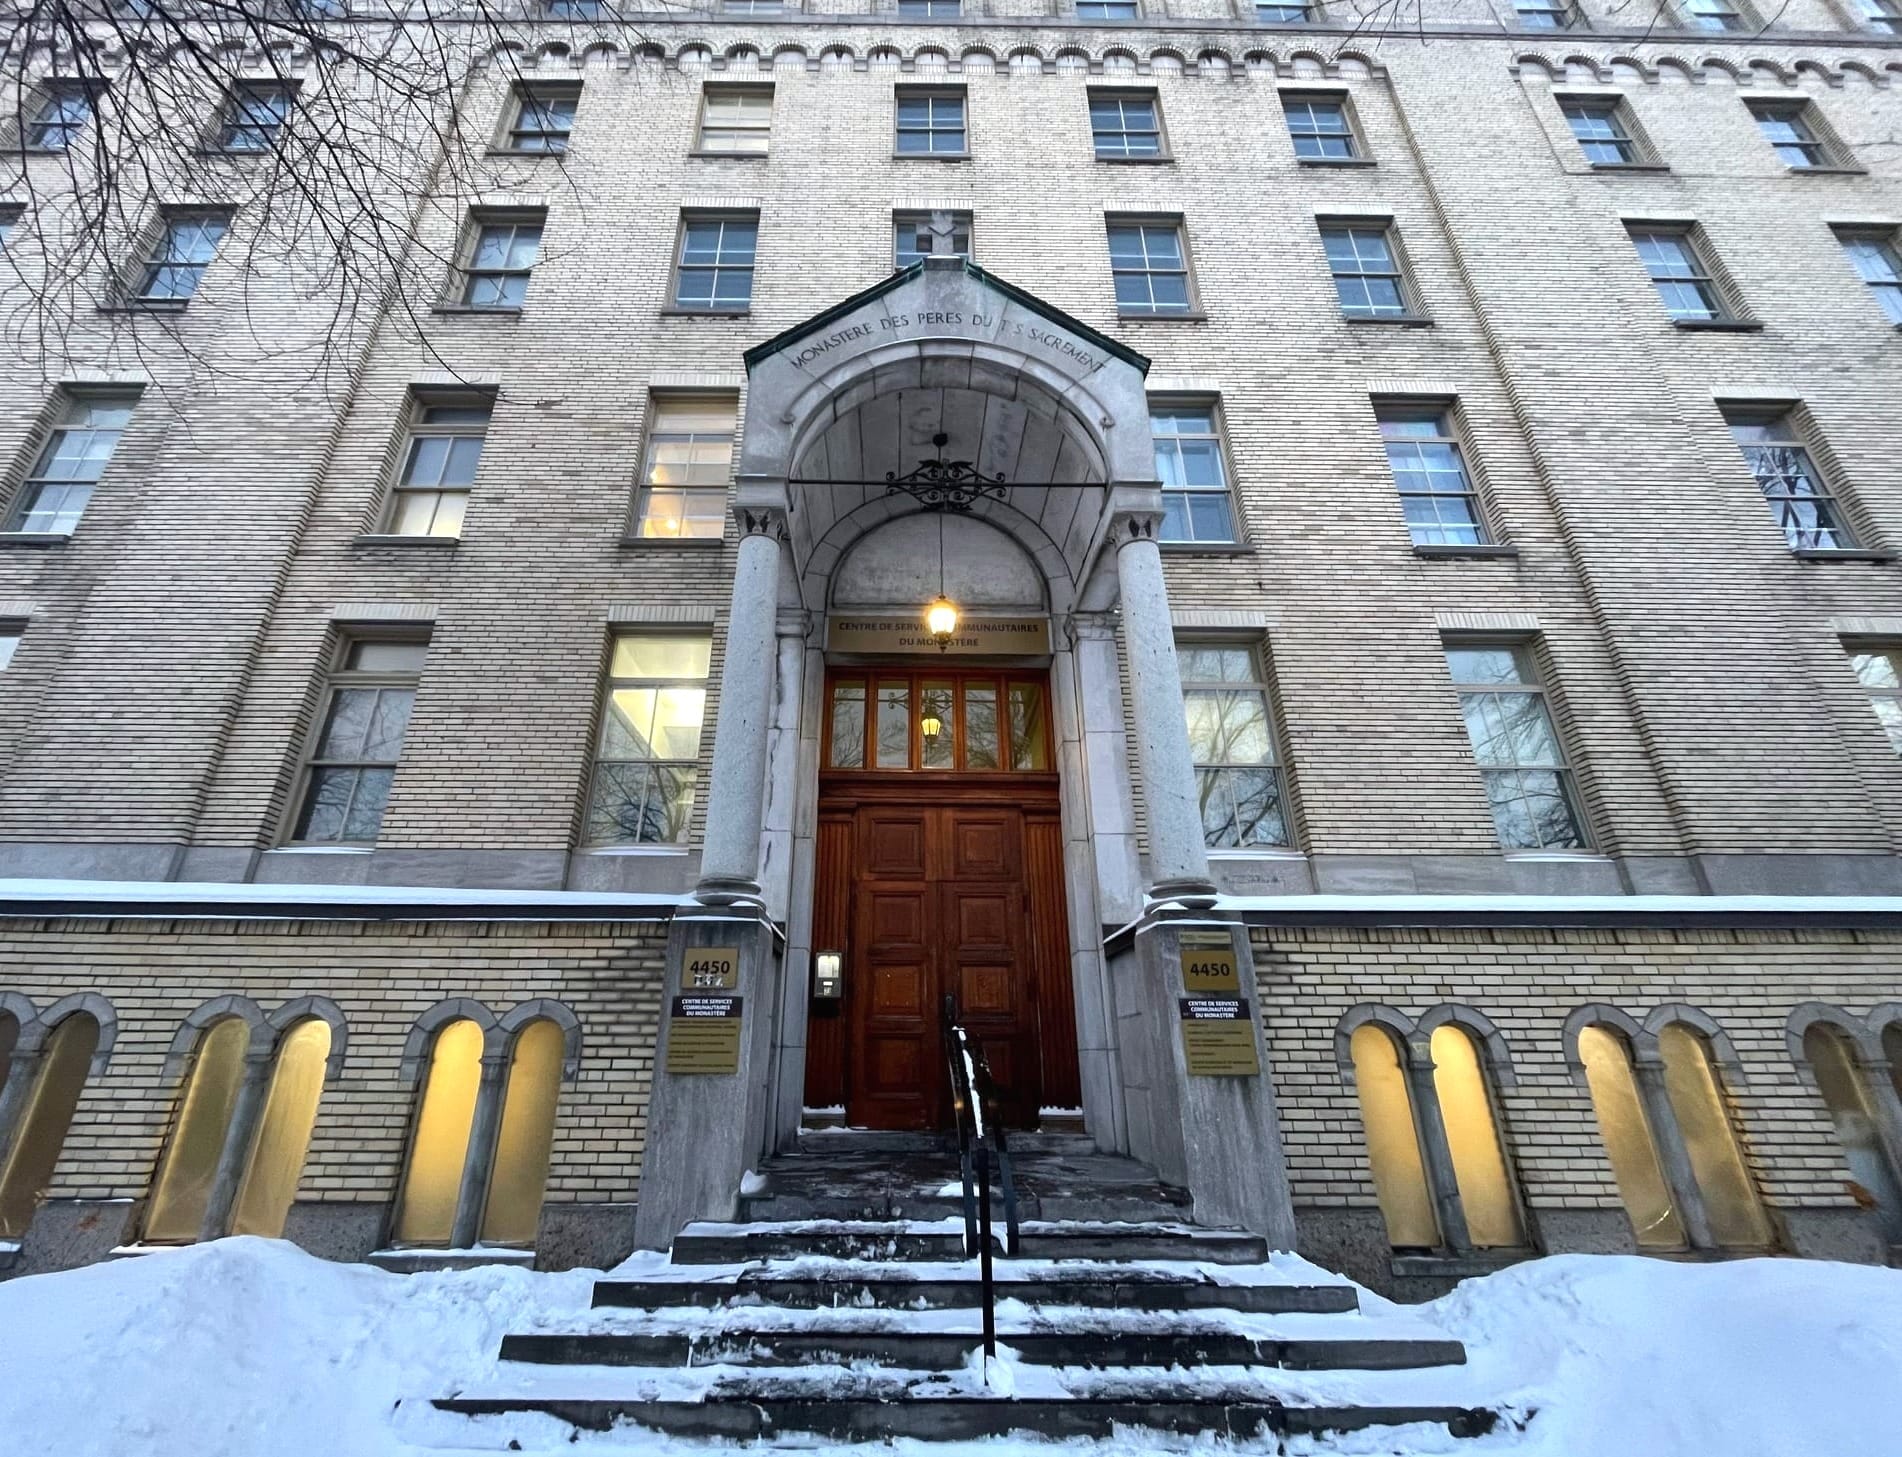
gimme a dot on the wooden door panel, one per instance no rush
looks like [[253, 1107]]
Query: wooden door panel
[[892, 976], [984, 920], [985, 991], [826, 1024], [894, 919], [892, 844], [984, 845], [897, 992]]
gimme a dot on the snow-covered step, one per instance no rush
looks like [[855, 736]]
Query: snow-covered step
[[942, 1240]]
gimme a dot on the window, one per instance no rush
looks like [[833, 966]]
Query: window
[[919, 235], [499, 255], [1876, 669], [440, 456], [366, 709], [1786, 126], [576, 9], [1436, 494], [182, 250], [59, 118], [736, 120], [931, 123], [254, 117], [1366, 270], [1393, 1140], [56, 491], [1527, 779], [9, 645], [930, 9], [1677, 270], [689, 463], [1192, 467], [1713, 15], [647, 762], [1126, 126], [715, 274], [1320, 128], [753, 7], [1106, 9], [1149, 267], [504, 1185], [1731, 1204], [1545, 14], [964, 721], [542, 119], [1882, 15], [9, 215], [1624, 1124], [1799, 496], [1232, 742], [1874, 257], [1843, 1083], [1598, 123], [1273, 12], [57, 1074]]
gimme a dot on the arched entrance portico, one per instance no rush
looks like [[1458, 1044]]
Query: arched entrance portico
[[945, 396]]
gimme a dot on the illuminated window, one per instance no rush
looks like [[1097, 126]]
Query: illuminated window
[[276, 1161], [647, 762], [62, 1064], [1472, 1137], [970, 722], [688, 467], [520, 1175], [1393, 1140], [1842, 1082], [181, 1194], [1731, 1203], [1625, 1127], [439, 1146]]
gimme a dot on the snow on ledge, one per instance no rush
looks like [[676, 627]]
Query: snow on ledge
[[1614, 905], [241, 900]]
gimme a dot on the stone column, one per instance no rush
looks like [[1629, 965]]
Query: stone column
[[1674, 1159], [736, 787], [1435, 1150], [240, 1133], [1178, 858], [22, 1072], [479, 1162]]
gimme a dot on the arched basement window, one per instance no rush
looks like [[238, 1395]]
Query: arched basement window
[[48, 1114], [1393, 1140], [276, 1161], [426, 1209], [1735, 1212], [520, 1176], [1839, 1079], [1626, 1131], [1472, 1136], [182, 1191], [1892, 1050]]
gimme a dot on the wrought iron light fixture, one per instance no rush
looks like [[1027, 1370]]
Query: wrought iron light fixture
[[945, 485], [941, 616]]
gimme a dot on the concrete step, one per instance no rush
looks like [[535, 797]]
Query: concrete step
[[928, 1204], [724, 1244], [914, 1350], [1092, 1288], [876, 1419]]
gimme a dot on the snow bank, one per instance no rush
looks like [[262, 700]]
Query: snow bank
[[250, 1348]]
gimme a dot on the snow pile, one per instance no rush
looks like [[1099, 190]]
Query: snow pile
[[250, 1348]]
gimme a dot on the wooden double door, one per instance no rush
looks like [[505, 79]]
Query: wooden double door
[[949, 887]]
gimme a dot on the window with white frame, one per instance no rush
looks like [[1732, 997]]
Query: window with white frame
[[576, 9], [1436, 492], [930, 124], [367, 701], [1884, 16], [753, 7], [254, 117], [1797, 492], [1149, 267], [648, 755], [180, 252], [60, 485], [1545, 14], [1106, 10], [1878, 264], [736, 121], [1675, 263], [1366, 268], [1528, 781], [10, 635], [10, 213], [1787, 127], [1279, 12], [1714, 15], [62, 113], [1879, 670], [1599, 125], [1320, 127], [1232, 742], [930, 9], [688, 465], [541, 119], [1192, 466], [441, 451], [499, 254], [920, 235], [715, 270], [1125, 125]]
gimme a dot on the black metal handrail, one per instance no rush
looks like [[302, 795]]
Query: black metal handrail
[[981, 1144]]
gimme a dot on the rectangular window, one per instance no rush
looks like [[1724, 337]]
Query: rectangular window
[[542, 119], [1876, 671], [576, 9], [1527, 779], [1882, 15], [647, 763], [1786, 127], [1192, 467], [1366, 270], [736, 120], [56, 491], [920, 235], [1714, 15], [1598, 123], [1677, 271], [9, 216], [1106, 10], [963, 721], [715, 274], [9, 645], [1126, 126], [930, 124], [1320, 128], [1874, 257], [1149, 267], [688, 466], [929, 9], [1799, 496], [1544, 14], [366, 710], [441, 451], [1436, 494], [500, 254], [1273, 12], [182, 249], [1232, 741], [254, 116], [62, 114], [753, 7]]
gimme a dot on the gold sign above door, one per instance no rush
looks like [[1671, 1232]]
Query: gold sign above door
[[858, 632]]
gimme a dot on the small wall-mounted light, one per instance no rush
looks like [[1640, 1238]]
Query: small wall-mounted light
[[828, 975]]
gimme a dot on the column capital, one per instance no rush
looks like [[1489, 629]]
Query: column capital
[[1131, 527], [757, 520]]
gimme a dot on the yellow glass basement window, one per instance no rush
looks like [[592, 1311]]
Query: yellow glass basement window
[[1628, 1144], [182, 1190], [45, 1119], [1737, 1218], [426, 1209], [1472, 1136], [1839, 1079], [520, 1174], [1393, 1141], [276, 1163]]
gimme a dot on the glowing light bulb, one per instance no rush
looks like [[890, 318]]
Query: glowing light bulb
[[941, 620]]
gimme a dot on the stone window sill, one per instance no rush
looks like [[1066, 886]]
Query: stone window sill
[[525, 152], [1206, 548], [299, 849], [1839, 554], [1628, 167], [146, 306], [35, 538], [729, 156], [1160, 159], [931, 156], [1189, 316], [674, 543], [1397, 321], [1335, 162], [379, 539], [679, 313], [1447, 549], [472, 309], [1719, 326], [1556, 857], [674, 851], [1266, 852], [1827, 171], [1457, 1267]]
